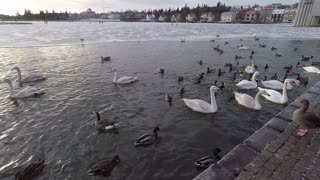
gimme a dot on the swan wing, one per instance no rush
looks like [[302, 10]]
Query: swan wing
[[126, 79], [311, 69], [245, 84], [29, 92], [245, 100], [33, 77], [274, 96], [198, 105]]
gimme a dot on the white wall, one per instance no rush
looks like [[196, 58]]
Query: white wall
[[316, 8]]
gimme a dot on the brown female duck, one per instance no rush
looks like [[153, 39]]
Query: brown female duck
[[31, 172], [104, 168], [306, 120]]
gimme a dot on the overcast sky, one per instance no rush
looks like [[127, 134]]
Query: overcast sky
[[12, 6]]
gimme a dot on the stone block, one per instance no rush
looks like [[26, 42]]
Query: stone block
[[215, 172], [278, 124], [261, 138], [272, 164], [244, 175], [238, 158], [286, 114], [314, 90]]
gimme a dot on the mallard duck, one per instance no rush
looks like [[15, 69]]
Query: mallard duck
[[237, 57], [266, 66], [288, 67], [299, 65], [273, 48], [180, 78], [104, 59], [220, 72], [161, 70], [278, 55], [200, 62], [104, 125], [226, 42], [262, 45], [210, 70], [206, 161], [31, 171], [306, 58], [181, 91], [168, 98], [147, 139], [303, 80], [104, 168], [306, 120]]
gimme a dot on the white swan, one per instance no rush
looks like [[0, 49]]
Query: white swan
[[244, 48], [245, 84], [275, 96], [30, 78], [274, 84], [124, 79], [250, 69], [202, 106], [311, 69], [24, 93], [248, 101]]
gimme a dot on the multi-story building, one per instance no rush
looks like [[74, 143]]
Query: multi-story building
[[228, 17], [191, 18], [277, 15], [251, 16], [308, 13], [266, 14], [289, 15]]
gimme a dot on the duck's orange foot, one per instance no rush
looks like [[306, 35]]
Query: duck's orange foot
[[302, 132]]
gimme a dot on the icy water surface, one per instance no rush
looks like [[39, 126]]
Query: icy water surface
[[58, 125]]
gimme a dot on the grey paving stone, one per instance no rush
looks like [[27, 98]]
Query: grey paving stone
[[261, 138], [278, 124], [245, 175], [238, 158], [286, 114]]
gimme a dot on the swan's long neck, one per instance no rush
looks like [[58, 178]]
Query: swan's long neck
[[284, 91], [257, 104], [10, 89], [213, 101], [115, 77], [19, 74], [254, 78]]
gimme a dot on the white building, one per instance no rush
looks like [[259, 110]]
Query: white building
[[228, 17], [150, 18], [191, 17], [277, 15], [308, 13], [289, 15]]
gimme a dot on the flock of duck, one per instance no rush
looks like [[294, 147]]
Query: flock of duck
[[248, 81]]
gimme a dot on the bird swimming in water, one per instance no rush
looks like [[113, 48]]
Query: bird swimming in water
[[252, 52], [168, 98], [262, 45], [306, 58], [200, 62], [180, 78], [104, 59], [266, 66], [104, 168], [206, 161], [273, 48], [237, 57], [161, 70], [181, 91], [303, 80], [148, 138], [32, 171], [278, 55]]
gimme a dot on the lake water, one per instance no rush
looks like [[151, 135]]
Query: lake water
[[58, 125]]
